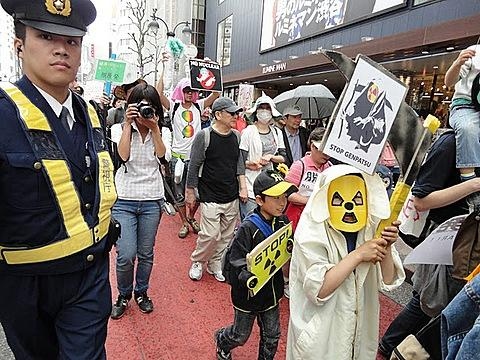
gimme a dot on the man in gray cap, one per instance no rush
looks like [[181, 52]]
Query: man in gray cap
[[217, 173], [56, 184], [295, 136]]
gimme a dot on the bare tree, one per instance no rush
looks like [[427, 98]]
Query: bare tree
[[139, 19], [157, 53]]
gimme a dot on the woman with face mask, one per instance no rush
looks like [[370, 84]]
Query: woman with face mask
[[261, 146]]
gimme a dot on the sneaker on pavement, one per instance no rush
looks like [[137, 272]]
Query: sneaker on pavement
[[196, 271], [118, 309], [183, 232], [144, 303], [221, 355], [286, 290], [195, 225], [217, 274]]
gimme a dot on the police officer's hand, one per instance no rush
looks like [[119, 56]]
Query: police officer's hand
[[131, 114]]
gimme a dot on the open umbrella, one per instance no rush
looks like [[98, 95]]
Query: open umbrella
[[316, 101]]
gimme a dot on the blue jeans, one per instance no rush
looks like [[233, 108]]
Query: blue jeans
[[246, 208], [139, 221], [410, 320], [238, 333], [465, 120], [461, 324]]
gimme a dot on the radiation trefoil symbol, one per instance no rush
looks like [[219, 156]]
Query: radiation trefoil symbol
[[365, 115], [271, 263]]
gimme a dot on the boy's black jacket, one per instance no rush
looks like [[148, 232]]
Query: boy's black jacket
[[247, 237]]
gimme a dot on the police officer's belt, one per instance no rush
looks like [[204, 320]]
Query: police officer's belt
[[56, 169]]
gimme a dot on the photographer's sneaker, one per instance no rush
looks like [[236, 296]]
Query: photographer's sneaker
[[217, 274], [145, 304], [119, 308], [196, 271]]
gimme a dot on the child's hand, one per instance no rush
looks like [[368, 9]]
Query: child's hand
[[390, 233], [464, 56], [372, 251]]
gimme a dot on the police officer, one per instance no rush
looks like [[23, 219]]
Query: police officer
[[56, 186]]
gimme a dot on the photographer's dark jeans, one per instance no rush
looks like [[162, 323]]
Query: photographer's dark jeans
[[238, 333], [410, 321]]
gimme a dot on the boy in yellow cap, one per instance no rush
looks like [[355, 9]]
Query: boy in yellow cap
[[271, 193]]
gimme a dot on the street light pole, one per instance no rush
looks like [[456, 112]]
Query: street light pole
[[154, 26]]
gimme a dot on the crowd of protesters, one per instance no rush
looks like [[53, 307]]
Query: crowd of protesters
[[232, 164]]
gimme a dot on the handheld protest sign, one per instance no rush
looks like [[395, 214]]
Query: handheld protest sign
[[268, 257], [409, 138], [365, 115], [205, 75]]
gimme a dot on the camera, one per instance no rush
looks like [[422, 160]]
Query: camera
[[146, 110]]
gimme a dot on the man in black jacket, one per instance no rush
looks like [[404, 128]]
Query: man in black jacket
[[295, 136]]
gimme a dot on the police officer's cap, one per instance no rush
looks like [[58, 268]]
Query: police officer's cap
[[61, 17]]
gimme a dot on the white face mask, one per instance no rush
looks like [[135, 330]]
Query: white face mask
[[264, 116]]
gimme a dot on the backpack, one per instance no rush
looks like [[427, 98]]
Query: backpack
[[226, 265], [466, 247]]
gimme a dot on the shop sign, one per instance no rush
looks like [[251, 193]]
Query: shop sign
[[274, 68]]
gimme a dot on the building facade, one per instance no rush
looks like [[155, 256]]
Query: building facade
[[276, 44], [9, 70]]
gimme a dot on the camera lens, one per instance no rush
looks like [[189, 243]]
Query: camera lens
[[146, 111]]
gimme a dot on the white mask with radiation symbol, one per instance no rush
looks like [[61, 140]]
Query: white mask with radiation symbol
[[264, 116], [347, 203]]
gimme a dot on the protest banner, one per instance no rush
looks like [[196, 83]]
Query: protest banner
[[437, 247], [268, 257], [364, 117], [205, 75]]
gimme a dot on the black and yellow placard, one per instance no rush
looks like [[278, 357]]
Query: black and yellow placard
[[268, 257]]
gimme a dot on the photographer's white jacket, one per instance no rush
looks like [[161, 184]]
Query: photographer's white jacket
[[345, 324]]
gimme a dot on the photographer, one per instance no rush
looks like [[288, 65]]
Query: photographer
[[140, 195]]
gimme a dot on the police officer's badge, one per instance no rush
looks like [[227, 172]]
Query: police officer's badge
[[58, 7]]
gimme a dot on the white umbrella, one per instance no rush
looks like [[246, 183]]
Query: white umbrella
[[316, 101]]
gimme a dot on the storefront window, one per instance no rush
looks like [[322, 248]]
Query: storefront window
[[224, 41]]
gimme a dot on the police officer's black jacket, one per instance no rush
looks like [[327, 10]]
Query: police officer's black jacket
[[29, 214], [247, 237]]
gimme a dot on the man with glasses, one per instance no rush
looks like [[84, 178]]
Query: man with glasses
[[185, 110], [217, 173]]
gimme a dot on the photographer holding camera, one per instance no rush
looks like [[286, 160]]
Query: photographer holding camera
[[140, 195]]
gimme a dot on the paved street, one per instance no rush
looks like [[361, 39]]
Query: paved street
[[186, 312]]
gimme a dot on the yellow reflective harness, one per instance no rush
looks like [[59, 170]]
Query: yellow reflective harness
[[79, 235]]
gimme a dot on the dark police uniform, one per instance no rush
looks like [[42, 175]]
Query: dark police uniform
[[56, 191]]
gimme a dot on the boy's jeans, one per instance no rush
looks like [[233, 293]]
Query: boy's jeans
[[238, 333], [139, 221], [461, 324]]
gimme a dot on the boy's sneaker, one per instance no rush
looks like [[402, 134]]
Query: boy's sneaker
[[144, 303], [196, 271], [221, 355], [118, 309], [217, 274]]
